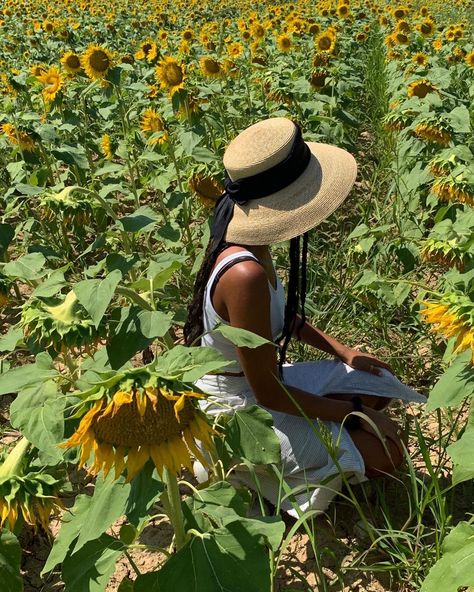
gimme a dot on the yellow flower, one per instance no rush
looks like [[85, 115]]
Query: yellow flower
[[257, 30], [170, 74], [38, 69], [141, 417], [427, 27], [52, 81], [148, 50], [284, 42], [235, 49], [97, 61], [326, 41], [420, 88], [210, 67], [71, 62], [18, 137], [187, 35], [433, 133], [106, 147], [470, 59], [152, 122], [420, 58]]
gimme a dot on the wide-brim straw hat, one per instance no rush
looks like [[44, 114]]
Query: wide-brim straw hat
[[300, 206]]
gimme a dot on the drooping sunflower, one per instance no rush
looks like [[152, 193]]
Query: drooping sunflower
[[27, 491], [284, 43], [53, 82], [18, 137], [170, 74], [420, 88], [443, 252], [469, 58], [207, 188], [106, 147], [454, 188], [431, 130], [152, 123], [137, 416], [97, 61], [71, 62], [60, 324]]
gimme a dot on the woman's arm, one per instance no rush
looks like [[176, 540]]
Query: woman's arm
[[354, 358], [244, 292]]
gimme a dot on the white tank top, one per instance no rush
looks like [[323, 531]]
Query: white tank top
[[211, 318]]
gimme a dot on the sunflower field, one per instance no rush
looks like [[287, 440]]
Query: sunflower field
[[114, 119]]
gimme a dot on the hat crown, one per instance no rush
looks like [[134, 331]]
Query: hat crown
[[259, 147]]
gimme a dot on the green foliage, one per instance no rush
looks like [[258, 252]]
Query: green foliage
[[10, 558]]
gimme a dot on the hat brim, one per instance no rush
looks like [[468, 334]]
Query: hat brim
[[302, 205]]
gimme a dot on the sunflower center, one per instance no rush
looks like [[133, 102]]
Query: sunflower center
[[173, 74], [128, 428], [73, 62], [324, 43], [146, 48], [99, 60], [212, 66]]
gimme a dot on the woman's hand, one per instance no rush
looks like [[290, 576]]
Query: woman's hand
[[363, 361]]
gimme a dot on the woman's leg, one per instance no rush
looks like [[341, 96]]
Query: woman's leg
[[377, 462]]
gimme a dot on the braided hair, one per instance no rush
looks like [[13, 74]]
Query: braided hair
[[296, 296]]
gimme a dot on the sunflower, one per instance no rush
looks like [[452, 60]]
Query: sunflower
[[207, 188], [343, 11], [27, 491], [469, 58], [420, 88], [97, 61], [187, 35], [437, 44], [148, 50], [59, 323], [18, 137], [318, 79], [71, 62], [454, 189], [235, 49], [106, 147], [452, 316], [442, 252], [137, 416], [52, 81], [152, 122], [284, 42], [326, 41], [170, 74], [427, 27], [401, 38], [210, 67], [420, 58], [257, 30], [432, 132], [38, 69]]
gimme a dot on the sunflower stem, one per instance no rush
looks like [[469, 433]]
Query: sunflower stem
[[172, 503], [14, 459], [133, 564]]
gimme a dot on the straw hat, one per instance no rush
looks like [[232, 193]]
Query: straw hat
[[300, 206]]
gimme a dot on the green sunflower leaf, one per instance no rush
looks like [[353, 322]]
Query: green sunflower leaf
[[38, 412], [228, 558], [250, 435], [95, 295], [10, 557]]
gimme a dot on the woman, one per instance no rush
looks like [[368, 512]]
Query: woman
[[278, 187]]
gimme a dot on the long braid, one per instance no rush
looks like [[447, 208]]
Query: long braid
[[297, 284], [291, 306]]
